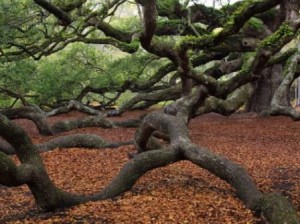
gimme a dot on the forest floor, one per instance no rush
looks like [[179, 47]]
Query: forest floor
[[268, 147]]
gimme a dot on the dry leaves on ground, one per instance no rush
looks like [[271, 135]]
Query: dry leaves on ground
[[178, 193]]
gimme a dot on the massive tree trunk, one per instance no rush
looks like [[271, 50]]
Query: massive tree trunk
[[264, 89]]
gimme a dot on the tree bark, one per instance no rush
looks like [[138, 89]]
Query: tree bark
[[264, 89], [31, 113]]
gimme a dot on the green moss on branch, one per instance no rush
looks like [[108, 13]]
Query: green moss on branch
[[284, 32]]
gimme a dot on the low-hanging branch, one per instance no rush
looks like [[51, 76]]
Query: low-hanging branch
[[180, 148], [60, 14], [39, 117], [86, 141]]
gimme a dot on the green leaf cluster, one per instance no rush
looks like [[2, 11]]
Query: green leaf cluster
[[62, 76]]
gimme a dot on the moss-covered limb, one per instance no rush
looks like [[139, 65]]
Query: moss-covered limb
[[270, 18], [70, 6], [57, 12], [16, 95], [235, 23], [230, 66], [169, 27], [161, 72], [123, 46], [226, 107], [73, 105], [281, 57], [166, 69], [277, 209], [280, 37], [59, 41], [176, 27], [206, 57], [155, 46], [91, 121], [240, 17], [254, 64], [256, 28], [109, 30], [280, 104], [245, 75], [209, 77], [203, 79], [237, 43], [171, 9], [281, 96], [207, 15], [158, 96], [136, 168], [71, 141], [161, 48], [101, 91]]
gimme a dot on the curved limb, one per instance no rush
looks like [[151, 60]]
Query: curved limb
[[280, 104]]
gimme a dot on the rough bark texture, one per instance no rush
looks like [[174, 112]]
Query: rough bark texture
[[92, 121], [88, 141], [280, 104], [276, 209], [73, 105], [32, 171], [226, 107], [32, 113], [265, 88]]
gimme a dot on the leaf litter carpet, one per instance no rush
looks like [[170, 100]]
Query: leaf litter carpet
[[268, 147]]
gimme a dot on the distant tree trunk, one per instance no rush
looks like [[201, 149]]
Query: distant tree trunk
[[264, 89]]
